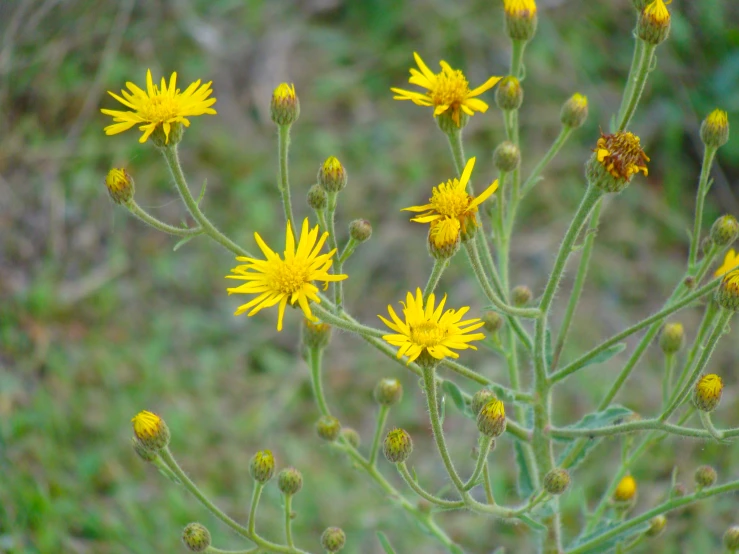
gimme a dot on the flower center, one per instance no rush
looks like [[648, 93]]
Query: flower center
[[288, 276], [450, 200], [711, 385], [450, 89], [428, 333], [160, 108]]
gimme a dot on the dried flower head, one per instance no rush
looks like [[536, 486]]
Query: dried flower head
[[616, 159]]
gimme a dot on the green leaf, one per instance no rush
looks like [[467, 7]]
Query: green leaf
[[535, 525], [525, 481], [385, 543], [442, 409], [456, 395], [606, 354], [182, 242], [202, 192], [603, 527], [612, 415]]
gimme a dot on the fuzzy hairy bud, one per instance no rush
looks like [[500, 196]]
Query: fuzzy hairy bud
[[262, 466], [715, 129], [725, 230], [672, 338], [333, 539], [397, 446], [289, 481], [196, 537], [556, 481], [491, 420], [506, 157], [509, 94], [285, 105], [388, 392], [328, 428], [705, 476]]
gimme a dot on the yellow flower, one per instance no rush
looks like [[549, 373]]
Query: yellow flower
[[727, 294], [275, 280], [120, 185], [150, 430], [626, 489], [448, 90], [707, 393], [159, 106], [621, 154], [519, 8], [731, 261], [657, 12], [425, 330], [450, 209]]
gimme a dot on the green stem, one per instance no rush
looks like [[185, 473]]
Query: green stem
[[152, 221], [708, 317], [482, 460], [314, 359], [455, 143], [641, 425], [408, 478], [705, 418], [283, 132], [640, 80], [631, 79], [349, 249], [173, 161], [256, 495], [289, 520], [558, 143], [214, 550], [380, 427], [334, 245], [700, 197], [667, 377], [517, 48], [438, 269], [342, 322], [488, 487]]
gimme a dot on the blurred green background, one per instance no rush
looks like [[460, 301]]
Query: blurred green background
[[100, 319]]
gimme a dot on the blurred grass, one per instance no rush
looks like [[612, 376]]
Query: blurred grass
[[99, 319]]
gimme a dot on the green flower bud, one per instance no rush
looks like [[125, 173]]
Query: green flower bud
[[715, 129], [196, 537], [289, 481], [333, 539], [388, 392], [491, 420], [493, 321], [521, 295], [285, 105], [725, 230], [351, 436], [317, 197], [332, 175], [727, 294], [506, 157], [654, 23], [262, 466], [672, 338], [315, 335], [328, 428], [480, 398], [398, 446], [575, 111], [705, 476], [707, 392], [360, 230], [656, 526], [509, 94], [520, 19], [120, 186], [731, 538], [556, 481], [151, 430], [143, 452]]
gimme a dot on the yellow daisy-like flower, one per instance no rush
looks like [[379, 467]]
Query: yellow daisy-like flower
[[275, 280], [451, 209], [424, 329], [448, 91], [731, 261], [159, 106]]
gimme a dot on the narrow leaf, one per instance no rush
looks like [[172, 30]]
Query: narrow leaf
[[385, 543], [202, 192], [535, 525], [612, 415], [182, 242], [456, 395], [606, 354], [603, 527]]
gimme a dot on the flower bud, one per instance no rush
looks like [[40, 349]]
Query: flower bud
[[491, 420], [333, 539], [626, 489], [328, 428], [480, 398], [707, 392], [509, 94], [615, 160], [705, 476], [506, 157], [162, 140], [388, 392], [672, 338], [317, 197], [706, 245], [731, 538], [521, 295], [196, 537], [678, 491], [493, 321], [315, 335], [150, 430], [654, 23], [285, 106], [120, 186], [398, 446], [360, 230], [262, 466], [725, 230], [332, 175], [727, 294], [520, 19], [656, 526], [448, 125], [289, 481], [715, 129], [351, 436], [143, 452], [556, 481], [441, 245], [639, 5], [575, 111]]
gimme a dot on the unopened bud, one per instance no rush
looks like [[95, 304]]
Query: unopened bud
[[196, 537], [715, 129], [491, 420], [328, 428], [678, 491], [731, 538], [506, 157], [285, 106], [672, 338], [332, 175], [493, 321], [521, 295], [725, 230], [120, 186], [520, 19], [444, 238], [398, 446], [451, 123], [143, 452], [575, 111], [317, 197], [360, 230], [727, 294], [656, 526], [480, 398], [705, 476], [290, 481], [351, 436], [262, 466], [150, 430], [626, 489], [509, 94], [707, 392], [388, 392], [333, 539], [315, 335], [654, 23], [556, 481]]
